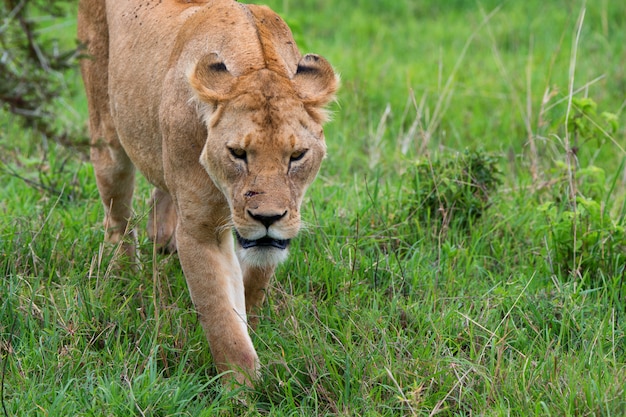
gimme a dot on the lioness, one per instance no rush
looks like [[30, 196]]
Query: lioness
[[213, 103]]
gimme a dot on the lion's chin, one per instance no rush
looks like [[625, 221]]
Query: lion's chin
[[262, 256]]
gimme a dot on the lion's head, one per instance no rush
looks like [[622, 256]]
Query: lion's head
[[264, 146]]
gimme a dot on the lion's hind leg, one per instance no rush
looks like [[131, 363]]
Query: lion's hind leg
[[162, 221], [115, 177], [115, 173]]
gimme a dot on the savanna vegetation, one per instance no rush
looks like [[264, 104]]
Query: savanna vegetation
[[465, 251]]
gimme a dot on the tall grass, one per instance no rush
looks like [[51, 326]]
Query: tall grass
[[397, 300]]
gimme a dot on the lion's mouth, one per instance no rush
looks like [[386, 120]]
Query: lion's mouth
[[264, 242]]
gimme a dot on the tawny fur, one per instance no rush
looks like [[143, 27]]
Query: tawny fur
[[213, 103]]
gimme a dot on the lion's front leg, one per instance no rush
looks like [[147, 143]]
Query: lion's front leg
[[162, 221], [256, 280], [216, 286]]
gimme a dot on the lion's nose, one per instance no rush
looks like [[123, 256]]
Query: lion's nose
[[267, 219]]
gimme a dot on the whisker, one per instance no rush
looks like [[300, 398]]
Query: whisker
[[226, 224]]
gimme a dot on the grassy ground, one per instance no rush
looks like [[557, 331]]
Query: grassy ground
[[420, 288]]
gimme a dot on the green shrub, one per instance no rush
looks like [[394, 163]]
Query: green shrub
[[454, 190], [584, 236], [32, 64]]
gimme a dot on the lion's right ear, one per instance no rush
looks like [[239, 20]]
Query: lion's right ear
[[211, 80]]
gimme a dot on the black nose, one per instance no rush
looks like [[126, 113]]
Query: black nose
[[267, 219]]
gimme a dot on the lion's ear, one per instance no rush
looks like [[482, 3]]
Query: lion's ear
[[211, 80], [316, 83]]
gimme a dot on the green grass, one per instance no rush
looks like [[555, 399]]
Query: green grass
[[384, 308]]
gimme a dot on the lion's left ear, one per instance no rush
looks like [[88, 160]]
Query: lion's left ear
[[316, 84], [211, 79]]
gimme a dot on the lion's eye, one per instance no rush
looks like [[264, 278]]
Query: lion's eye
[[238, 153], [298, 155]]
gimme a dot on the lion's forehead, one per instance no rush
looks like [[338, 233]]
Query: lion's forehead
[[277, 123]]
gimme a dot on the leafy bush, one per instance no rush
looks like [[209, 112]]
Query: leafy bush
[[453, 190], [585, 237], [585, 123], [31, 64]]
